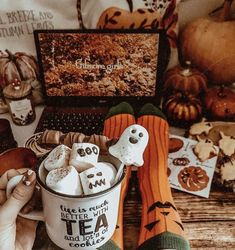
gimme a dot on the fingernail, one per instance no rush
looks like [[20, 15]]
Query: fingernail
[[27, 183], [30, 172], [37, 187]]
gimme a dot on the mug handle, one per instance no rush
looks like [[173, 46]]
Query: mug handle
[[33, 215]]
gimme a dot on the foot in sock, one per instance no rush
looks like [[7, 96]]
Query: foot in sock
[[117, 120], [161, 226]]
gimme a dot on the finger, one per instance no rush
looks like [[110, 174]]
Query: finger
[[34, 203], [4, 180], [20, 196]]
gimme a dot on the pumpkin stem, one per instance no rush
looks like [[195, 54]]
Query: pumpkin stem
[[12, 58], [221, 93], [186, 71], [225, 14]]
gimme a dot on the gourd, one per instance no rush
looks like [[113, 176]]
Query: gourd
[[113, 128], [159, 214], [186, 79], [20, 66], [220, 103], [209, 44], [182, 109]]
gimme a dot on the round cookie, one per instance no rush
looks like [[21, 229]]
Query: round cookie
[[182, 161], [193, 178], [175, 144]]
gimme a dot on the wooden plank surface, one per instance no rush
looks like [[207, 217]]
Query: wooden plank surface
[[209, 223]]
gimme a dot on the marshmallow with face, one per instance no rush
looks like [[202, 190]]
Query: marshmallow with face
[[57, 158], [94, 180], [109, 170], [84, 156], [65, 180], [131, 145]]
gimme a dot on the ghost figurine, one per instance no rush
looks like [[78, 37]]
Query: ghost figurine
[[131, 145]]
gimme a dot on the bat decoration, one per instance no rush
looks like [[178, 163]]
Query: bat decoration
[[151, 225], [159, 204], [164, 209], [179, 224]]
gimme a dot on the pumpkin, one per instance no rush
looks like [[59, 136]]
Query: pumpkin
[[185, 79], [209, 44], [182, 109], [220, 103], [159, 213], [19, 66], [113, 128]]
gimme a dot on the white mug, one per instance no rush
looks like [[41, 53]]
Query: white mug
[[78, 222]]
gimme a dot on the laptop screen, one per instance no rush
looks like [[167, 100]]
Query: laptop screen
[[99, 65]]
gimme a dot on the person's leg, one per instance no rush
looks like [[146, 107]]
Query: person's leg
[[161, 226], [117, 120]]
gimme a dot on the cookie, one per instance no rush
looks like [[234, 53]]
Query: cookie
[[175, 144], [204, 149], [227, 144], [73, 137], [181, 161], [193, 178], [50, 137], [227, 170], [202, 127]]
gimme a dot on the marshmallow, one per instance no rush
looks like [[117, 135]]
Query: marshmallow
[[109, 170], [58, 157], [94, 180], [84, 156], [64, 180], [131, 145], [11, 184]]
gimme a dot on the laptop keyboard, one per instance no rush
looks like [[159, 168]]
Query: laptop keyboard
[[87, 123]]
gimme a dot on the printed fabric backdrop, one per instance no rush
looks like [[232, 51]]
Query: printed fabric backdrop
[[133, 14], [18, 19]]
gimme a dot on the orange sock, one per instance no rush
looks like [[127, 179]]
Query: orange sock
[[118, 120], [161, 226]]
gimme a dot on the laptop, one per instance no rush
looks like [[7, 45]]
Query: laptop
[[86, 72]]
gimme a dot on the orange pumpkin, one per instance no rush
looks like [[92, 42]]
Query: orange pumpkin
[[208, 43], [182, 109], [185, 79], [19, 66], [220, 103]]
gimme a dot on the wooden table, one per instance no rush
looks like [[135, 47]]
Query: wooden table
[[209, 223]]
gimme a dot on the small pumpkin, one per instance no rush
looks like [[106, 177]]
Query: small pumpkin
[[19, 66], [185, 79], [208, 43], [220, 103], [182, 109]]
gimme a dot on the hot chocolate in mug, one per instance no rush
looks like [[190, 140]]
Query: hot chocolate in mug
[[77, 222]]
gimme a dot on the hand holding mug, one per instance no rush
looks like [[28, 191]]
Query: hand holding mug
[[17, 232]]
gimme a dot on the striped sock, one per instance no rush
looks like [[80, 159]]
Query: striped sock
[[161, 226]]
